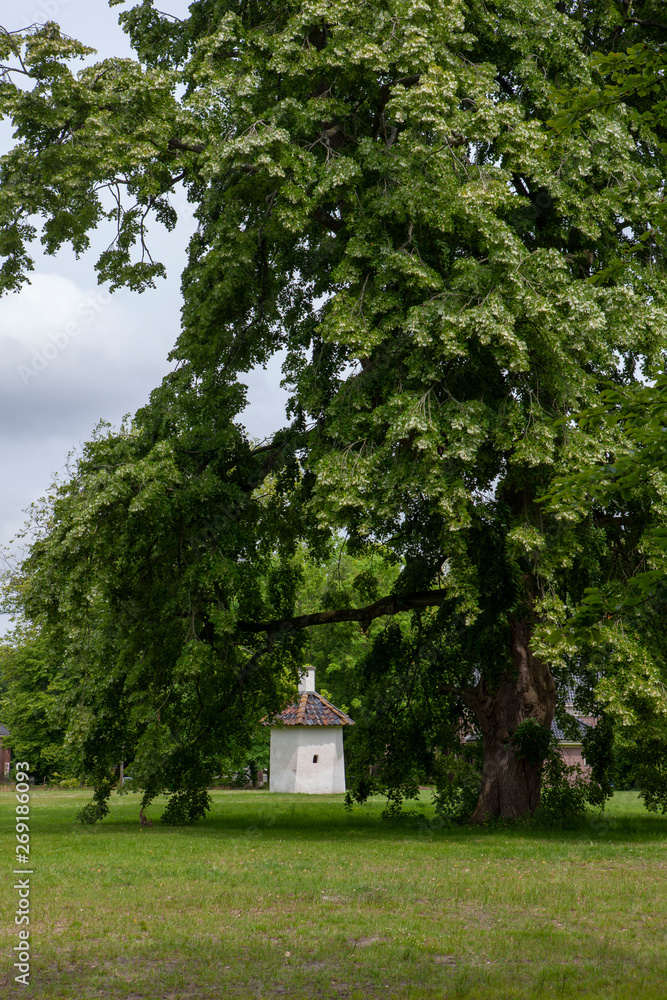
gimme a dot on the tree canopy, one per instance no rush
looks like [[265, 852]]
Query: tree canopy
[[633, 78], [377, 197]]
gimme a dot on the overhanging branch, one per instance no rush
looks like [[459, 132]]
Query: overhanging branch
[[390, 605], [646, 24], [186, 147]]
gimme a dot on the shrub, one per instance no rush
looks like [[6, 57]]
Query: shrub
[[186, 806], [456, 788]]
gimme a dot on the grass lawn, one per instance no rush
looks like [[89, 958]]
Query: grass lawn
[[290, 896]]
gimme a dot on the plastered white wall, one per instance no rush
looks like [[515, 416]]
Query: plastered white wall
[[291, 766]]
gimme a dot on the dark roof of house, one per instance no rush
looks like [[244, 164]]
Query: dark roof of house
[[3, 730], [312, 709], [560, 735], [555, 729]]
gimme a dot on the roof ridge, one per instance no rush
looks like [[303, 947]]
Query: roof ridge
[[301, 710]]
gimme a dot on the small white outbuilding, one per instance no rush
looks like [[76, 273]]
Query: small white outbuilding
[[307, 744]]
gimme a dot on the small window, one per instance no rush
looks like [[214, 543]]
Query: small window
[[314, 758]]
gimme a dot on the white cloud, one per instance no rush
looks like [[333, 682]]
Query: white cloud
[[71, 354], [49, 325]]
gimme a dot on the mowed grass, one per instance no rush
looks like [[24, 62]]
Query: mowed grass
[[290, 896]]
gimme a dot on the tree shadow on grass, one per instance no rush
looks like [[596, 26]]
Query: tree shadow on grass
[[290, 815], [254, 816]]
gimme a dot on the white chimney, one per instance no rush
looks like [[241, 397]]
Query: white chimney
[[307, 682]]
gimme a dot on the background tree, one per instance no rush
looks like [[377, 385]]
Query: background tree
[[34, 707], [338, 583], [374, 197]]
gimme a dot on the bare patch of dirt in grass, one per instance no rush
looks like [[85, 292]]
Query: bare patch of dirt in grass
[[365, 942], [342, 989], [476, 915], [335, 989]]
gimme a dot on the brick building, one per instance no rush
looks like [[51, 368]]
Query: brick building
[[571, 750], [5, 755]]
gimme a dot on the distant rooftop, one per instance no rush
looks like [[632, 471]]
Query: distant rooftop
[[555, 729], [560, 735], [312, 709]]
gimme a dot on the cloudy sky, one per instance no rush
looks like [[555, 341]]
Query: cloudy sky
[[71, 354]]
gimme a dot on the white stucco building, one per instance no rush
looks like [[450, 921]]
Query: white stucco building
[[307, 744]]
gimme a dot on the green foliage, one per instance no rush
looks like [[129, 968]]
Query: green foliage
[[186, 806], [133, 540], [66, 782], [241, 763], [531, 741], [631, 478], [627, 479], [598, 751], [405, 723], [98, 808], [374, 199], [565, 794], [456, 787], [629, 83], [34, 706], [343, 580], [642, 749]]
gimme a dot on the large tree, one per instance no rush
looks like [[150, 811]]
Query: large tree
[[374, 197]]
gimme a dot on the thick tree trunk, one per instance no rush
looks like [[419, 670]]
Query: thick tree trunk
[[510, 785]]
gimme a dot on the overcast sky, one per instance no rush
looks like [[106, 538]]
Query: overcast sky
[[71, 354]]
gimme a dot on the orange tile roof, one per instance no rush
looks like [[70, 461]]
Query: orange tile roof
[[312, 709]]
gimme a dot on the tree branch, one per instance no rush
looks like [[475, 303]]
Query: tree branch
[[646, 24], [6, 70], [390, 605], [505, 86], [328, 221], [172, 16], [185, 147], [385, 95]]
